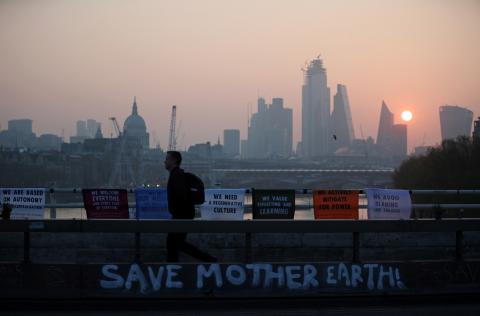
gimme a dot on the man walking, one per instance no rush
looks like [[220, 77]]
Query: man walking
[[180, 206]]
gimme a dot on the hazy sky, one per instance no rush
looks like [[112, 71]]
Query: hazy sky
[[61, 61]]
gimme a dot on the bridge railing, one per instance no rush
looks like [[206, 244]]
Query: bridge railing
[[248, 227], [303, 201]]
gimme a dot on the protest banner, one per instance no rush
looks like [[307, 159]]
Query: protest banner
[[388, 204], [273, 204], [152, 203], [26, 203], [225, 204], [335, 204], [106, 203]]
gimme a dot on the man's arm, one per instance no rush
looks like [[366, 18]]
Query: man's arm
[[179, 193]]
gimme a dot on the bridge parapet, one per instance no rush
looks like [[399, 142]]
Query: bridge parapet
[[260, 258]]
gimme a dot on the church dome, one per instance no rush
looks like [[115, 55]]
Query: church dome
[[134, 123]]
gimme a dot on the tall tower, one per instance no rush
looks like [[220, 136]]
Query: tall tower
[[342, 125], [384, 126], [270, 131], [391, 138], [455, 121], [316, 125], [231, 142], [172, 138], [82, 128]]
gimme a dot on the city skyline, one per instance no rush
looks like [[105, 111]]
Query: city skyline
[[63, 62]]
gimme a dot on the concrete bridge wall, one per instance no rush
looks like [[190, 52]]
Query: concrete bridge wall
[[89, 247]]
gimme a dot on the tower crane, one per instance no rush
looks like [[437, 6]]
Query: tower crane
[[115, 126]]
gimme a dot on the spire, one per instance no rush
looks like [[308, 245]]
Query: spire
[[134, 108], [99, 134], [385, 110], [384, 105], [385, 125]]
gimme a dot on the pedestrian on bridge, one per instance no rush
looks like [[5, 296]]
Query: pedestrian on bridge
[[180, 206]]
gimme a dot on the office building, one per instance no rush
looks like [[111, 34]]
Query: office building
[[455, 121], [231, 142], [316, 121]]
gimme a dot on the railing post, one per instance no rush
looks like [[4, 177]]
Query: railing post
[[248, 235], [137, 246], [459, 245], [356, 247], [26, 247], [53, 201], [248, 247], [459, 200], [437, 210]]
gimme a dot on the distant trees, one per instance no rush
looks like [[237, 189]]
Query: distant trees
[[455, 164]]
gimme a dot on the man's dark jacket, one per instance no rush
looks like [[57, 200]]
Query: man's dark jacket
[[180, 202]]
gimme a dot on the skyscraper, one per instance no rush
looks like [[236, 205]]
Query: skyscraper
[[270, 131], [391, 138], [398, 147], [244, 148], [384, 126], [342, 125], [85, 130], [316, 125], [82, 128], [455, 121], [231, 142], [92, 127], [21, 126], [19, 134]]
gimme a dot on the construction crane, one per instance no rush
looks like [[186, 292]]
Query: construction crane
[[115, 126], [172, 141]]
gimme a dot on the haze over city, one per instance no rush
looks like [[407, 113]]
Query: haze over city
[[63, 61]]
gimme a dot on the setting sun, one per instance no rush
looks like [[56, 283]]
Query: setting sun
[[407, 116]]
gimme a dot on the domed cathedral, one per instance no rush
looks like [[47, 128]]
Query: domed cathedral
[[135, 128]]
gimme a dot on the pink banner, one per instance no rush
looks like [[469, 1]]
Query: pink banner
[[105, 203]]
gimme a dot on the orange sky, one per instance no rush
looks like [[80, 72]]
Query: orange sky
[[66, 60]]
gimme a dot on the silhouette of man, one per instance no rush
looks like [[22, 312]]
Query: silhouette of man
[[180, 205]]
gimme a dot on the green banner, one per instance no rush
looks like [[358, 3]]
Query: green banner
[[273, 204]]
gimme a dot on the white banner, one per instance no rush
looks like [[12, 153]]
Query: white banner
[[227, 204], [388, 204], [26, 203]]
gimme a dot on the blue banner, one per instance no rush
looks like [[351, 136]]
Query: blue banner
[[152, 203]]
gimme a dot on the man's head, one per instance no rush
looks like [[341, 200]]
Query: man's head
[[172, 159]]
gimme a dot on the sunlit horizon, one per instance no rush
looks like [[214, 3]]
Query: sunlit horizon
[[65, 61]]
